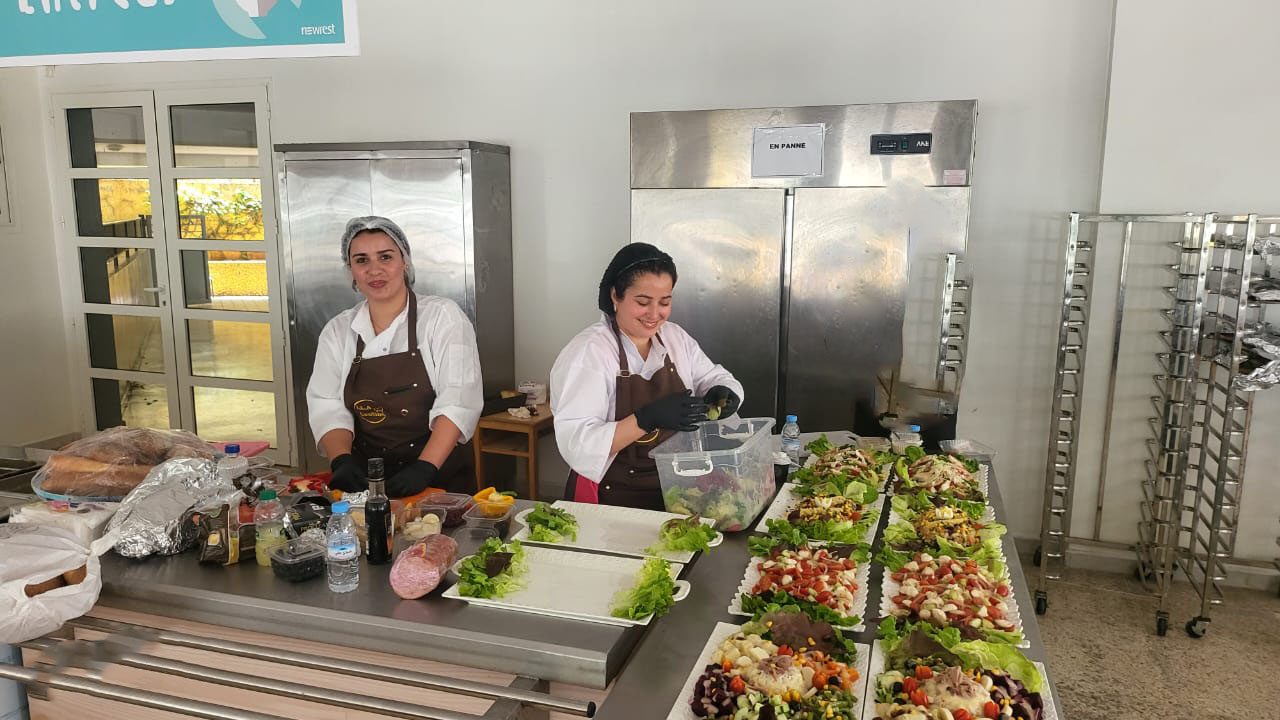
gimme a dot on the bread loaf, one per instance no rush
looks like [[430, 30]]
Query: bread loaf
[[113, 462], [52, 583]]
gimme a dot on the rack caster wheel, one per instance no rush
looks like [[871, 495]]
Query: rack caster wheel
[[1035, 558], [1197, 627], [1162, 626], [1042, 602]]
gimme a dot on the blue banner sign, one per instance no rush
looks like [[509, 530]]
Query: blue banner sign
[[57, 32]]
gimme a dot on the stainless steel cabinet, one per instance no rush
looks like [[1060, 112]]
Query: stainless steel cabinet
[[453, 200]]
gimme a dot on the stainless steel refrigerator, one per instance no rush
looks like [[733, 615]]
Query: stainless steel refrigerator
[[817, 248], [453, 200]]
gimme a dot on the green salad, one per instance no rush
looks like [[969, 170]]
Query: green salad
[[551, 524], [653, 593], [494, 571], [687, 534]]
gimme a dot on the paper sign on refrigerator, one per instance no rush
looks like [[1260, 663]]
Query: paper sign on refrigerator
[[791, 151]]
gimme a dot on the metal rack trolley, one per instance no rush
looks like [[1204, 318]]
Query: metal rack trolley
[[1212, 501], [1073, 331]]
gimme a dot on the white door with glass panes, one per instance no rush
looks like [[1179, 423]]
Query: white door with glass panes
[[168, 221]]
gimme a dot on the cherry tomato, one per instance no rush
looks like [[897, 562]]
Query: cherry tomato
[[923, 672], [786, 650], [738, 685], [961, 714], [820, 680], [919, 698], [991, 710], [909, 684]]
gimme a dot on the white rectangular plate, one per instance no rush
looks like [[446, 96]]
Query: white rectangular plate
[[615, 529], [889, 588], [787, 499], [752, 576], [575, 585], [877, 667], [681, 710]]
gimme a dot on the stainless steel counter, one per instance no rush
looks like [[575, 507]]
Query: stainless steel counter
[[373, 617], [654, 677]]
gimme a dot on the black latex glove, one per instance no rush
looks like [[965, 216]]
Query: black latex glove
[[413, 479], [724, 398], [348, 476], [677, 411]]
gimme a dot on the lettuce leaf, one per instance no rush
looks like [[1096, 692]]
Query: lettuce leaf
[[891, 559], [899, 533], [474, 580], [551, 524], [978, 653], [653, 593], [765, 603], [820, 446]]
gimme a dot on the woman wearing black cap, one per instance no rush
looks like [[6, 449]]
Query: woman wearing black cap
[[397, 376], [629, 381]]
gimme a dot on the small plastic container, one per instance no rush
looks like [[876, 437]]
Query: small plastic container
[[298, 560], [455, 505], [480, 516], [413, 523], [723, 470], [874, 443], [470, 539], [903, 440]]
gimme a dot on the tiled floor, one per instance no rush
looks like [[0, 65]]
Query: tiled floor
[[1107, 661]]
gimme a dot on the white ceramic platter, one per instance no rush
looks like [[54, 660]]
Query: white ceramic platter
[[613, 529]]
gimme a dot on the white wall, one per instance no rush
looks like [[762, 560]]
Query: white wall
[[35, 400], [1194, 102], [556, 80]]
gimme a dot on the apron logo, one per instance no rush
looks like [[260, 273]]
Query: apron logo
[[369, 412]]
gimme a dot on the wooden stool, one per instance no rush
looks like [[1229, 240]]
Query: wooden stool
[[509, 435]]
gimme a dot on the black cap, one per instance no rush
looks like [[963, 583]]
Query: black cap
[[376, 468]]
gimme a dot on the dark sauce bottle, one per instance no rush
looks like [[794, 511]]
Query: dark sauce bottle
[[377, 515]]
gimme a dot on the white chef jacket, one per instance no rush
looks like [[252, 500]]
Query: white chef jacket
[[448, 345], [584, 387]]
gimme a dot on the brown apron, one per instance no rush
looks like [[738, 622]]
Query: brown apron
[[390, 398], [632, 478]]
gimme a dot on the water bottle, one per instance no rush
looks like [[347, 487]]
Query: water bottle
[[342, 551], [268, 519], [232, 465], [791, 440]]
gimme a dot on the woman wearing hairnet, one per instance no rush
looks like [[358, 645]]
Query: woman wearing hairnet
[[397, 376], [629, 381]]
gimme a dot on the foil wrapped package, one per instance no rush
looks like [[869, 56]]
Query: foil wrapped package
[[1265, 289], [156, 517], [1263, 341], [1262, 378]]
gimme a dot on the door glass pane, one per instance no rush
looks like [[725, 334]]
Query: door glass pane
[[125, 342], [124, 402], [113, 208], [235, 415], [118, 276], [107, 137], [220, 209], [227, 349], [225, 280], [214, 135]]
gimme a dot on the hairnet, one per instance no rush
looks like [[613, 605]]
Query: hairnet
[[364, 223], [632, 257]]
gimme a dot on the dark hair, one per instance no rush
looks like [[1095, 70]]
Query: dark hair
[[628, 264]]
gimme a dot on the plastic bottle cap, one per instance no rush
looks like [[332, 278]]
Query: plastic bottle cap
[[791, 418], [267, 494], [915, 428], [341, 506], [232, 449]]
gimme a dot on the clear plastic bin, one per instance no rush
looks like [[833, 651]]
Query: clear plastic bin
[[298, 560], [723, 471], [480, 516], [455, 505], [414, 523]]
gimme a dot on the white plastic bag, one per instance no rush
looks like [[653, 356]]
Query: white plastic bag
[[31, 554]]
